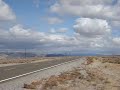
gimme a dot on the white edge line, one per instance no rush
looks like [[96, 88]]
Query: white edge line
[[36, 71]]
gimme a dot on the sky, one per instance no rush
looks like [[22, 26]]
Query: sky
[[60, 26]]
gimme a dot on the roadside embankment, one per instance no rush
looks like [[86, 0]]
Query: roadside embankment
[[96, 73]]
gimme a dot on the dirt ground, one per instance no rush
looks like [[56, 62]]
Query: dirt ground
[[97, 73], [16, 61]]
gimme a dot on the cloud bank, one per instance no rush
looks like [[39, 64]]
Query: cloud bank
[[93, 28]]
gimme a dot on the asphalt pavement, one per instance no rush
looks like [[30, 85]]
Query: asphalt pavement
[[15, 70]]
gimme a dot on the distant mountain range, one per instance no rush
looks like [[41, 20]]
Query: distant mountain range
[[30, 54], [16, 55], [23, 55], [54, 55]]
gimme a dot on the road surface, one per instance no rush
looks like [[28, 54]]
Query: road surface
[[12, 71]]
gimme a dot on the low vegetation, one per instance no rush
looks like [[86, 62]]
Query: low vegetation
[[105, 59], [97, 73], [29, 60]]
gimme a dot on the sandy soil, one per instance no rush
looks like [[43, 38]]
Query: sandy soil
[[17, 61], [97, 73]]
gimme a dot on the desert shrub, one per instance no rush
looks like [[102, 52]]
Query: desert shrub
[[115, 60], [91, 59], [29, 86]]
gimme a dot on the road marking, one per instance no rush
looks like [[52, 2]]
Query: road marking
[[37, 71], [9, 69]]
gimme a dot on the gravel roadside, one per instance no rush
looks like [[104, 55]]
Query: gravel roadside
[[18, 83]]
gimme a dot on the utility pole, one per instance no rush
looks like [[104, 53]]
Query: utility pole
[[25, 53]]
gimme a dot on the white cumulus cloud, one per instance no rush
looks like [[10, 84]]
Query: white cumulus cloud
[[92, 27], [6, 12], [103, 9]]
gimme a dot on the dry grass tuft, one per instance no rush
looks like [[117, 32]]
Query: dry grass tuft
[[31, 86], [91, 75], [55, 80], [115, 60], [112, 59], [90, 60]]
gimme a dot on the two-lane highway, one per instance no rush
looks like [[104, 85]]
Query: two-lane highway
[[16, 70]]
